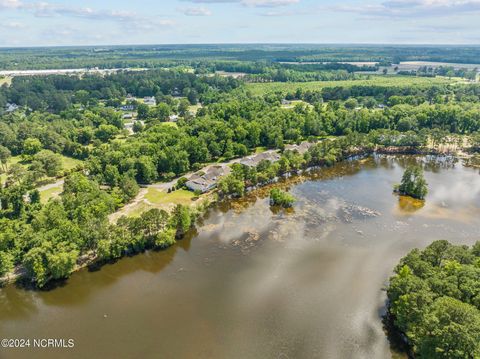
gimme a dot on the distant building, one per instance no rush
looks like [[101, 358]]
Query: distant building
[[128, 116], [254, 160], [127, 107], [301, 148], [150, 101], [173, 118], [204, 182], [286, 102], [11, 107]]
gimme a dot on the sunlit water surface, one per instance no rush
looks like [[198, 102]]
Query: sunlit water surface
[[255, 282]]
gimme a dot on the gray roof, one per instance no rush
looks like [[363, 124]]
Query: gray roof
[[301, 148], [208, 180], [253, 161]]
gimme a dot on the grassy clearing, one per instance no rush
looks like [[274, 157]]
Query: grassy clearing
[[5, 80], [194, 108], [293, 103], [158, 197], [260, 149], [401, 81], [171, 124], [155, 198], [51, 193], [69, 163]]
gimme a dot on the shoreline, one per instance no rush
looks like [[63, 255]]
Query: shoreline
[[91, 259]]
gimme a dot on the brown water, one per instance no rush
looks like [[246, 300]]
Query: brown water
[[257, 284]]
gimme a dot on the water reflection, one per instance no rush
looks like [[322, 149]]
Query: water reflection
[[255, 283]]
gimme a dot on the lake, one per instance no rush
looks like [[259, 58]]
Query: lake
[[252, 282]]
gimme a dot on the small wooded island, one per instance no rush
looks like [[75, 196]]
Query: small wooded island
[[413, 183], [281, 198]]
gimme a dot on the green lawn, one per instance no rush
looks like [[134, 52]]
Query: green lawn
[[171, 124], [260, 149], [401, 81], [69, 163], [5, 80], [11, 161], [194, 108], [158, 197], [50, 193], [296, 102]]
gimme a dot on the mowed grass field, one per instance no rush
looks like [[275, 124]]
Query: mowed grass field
[[176, 197], [5, 80], [68, 163], [401, 81]]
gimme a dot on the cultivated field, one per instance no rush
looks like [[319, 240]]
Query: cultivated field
[[402, 81]]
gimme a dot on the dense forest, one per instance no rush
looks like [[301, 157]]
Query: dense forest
[[171, 55], [435, 300], [58, 118]]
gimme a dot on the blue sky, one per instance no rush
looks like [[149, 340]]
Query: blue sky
[[87, 22]]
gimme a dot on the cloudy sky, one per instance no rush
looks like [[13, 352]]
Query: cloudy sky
[[100, 22]]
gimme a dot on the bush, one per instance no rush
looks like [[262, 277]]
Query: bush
[[281, 198]]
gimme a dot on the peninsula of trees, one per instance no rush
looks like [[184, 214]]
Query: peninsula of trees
[[435, 300]]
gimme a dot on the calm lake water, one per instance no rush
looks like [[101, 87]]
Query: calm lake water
[[256, 283]]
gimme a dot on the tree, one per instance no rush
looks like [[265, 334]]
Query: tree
[[5, 155], [128, 186], [51, 162], [106, 132], [230, 185], [138, 127], [413, 183], [182, 220], [6, 263], [143, 111], [31, 146], [145, 169], [452, 330], [281, 198], [433, 299]]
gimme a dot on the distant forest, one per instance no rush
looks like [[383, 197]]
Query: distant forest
[[174, 55]]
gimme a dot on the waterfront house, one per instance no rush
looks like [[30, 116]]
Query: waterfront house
[[208, 180], [301, 148], [254, 160]]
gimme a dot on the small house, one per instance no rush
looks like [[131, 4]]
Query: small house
[[208, 180], [302, 148], [150, 101], [11, 107], [254, 160]]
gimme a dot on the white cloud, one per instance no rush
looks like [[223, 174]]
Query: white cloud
[[12, 25], [413, 8], [130, 20], [10, 4], [251, 3], [269, 3], [195, 11]]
